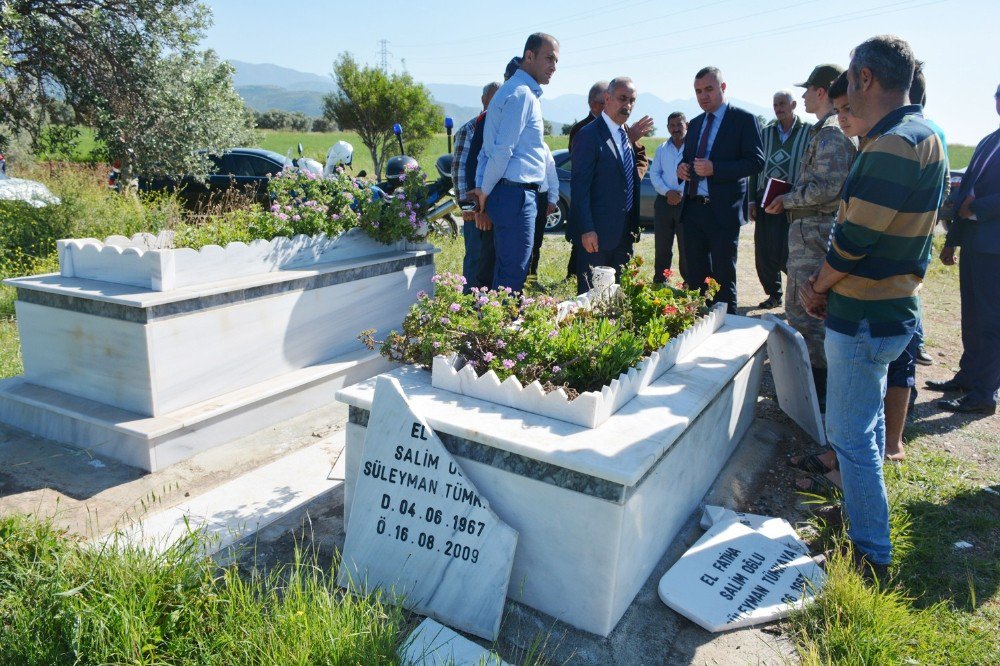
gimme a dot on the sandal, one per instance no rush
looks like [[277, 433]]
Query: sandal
[[819, 484], [811, 462]]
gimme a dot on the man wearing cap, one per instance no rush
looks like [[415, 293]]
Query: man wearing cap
[[512, 162], [812, 206]]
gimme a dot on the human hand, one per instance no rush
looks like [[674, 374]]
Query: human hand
[[673, 197], [588, 242], [753, 212], [777, 206], [483, 221], [639, 129], [683, 171], [965, 209], [814, 303], [703, 167], [948, 255], [552, 208]]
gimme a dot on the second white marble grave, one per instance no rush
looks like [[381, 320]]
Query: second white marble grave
[[734, 576], [419, 530], [778, 529], [432, 644]]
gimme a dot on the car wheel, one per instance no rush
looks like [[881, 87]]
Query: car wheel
[[557, 220]]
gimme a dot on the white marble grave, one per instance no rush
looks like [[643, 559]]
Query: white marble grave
[[595, 508], [793, 381], [777, 529], [150, 377], [735, 576], [419, 529], [433, 644]]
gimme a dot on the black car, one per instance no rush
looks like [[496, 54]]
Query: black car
[[246, 170], [647, 195]]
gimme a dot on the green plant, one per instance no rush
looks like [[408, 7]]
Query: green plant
[[514, 334]]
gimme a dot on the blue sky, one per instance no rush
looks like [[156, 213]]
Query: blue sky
[[761, 46]]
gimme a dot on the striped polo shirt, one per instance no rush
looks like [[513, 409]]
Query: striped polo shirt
[[885, 224]]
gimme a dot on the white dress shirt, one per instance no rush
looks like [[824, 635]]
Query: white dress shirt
[[663, 170]]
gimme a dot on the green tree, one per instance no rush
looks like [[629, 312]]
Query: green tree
[[566, 128], [546, 127], [370, 100], [112, 62]]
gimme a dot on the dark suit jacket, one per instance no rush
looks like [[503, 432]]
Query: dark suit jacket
[[597, 186], [737, 154], [589, 118], [983, 233]]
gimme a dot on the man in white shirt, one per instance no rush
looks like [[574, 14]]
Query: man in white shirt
[[669, 195]]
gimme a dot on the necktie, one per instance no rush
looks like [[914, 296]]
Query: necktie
[[702, 149], [629, 169]]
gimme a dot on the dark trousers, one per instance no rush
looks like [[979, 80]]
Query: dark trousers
[[536, 249], [487, 260], [710, 251], [615, 258], [666, 225], [473, 244], [512, 210], [770, 246], [979, 286]]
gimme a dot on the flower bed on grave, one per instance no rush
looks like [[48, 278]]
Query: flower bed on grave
[[312, 220], [578, 361]]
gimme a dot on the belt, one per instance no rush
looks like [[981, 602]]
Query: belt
[[698, 199], [524, 186], [799, 213]]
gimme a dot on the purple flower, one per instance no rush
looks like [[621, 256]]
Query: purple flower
[[488, 356], [521, 355], [454, 307], [296, 217], [556, 369], [483, 300], [495, 304], [436, 344], [445, 321], [553, 333], [508, 364], [501, 344], [421, 294]]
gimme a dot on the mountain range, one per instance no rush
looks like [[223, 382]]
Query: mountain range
[[266, 86]]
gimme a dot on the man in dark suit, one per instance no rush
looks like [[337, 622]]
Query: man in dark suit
[[604, 215], [976, 229], [722, 150], [595, 99]]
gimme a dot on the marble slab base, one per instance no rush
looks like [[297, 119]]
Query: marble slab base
[[433, 644], [793, 379], [595, 508], [153, 443]]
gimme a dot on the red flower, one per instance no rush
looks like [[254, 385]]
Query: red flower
[[670, 310], [708, 280], [667, 273]]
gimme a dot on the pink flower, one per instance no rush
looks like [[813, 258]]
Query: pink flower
[[521, 355], [421, 294], [508, 364], [501, 344], [553, 333], [454, 307], [445, 321], [436, 344], [488, 356], [556, 369]]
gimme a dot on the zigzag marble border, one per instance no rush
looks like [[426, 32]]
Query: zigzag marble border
[[143, 261], [589, 409]]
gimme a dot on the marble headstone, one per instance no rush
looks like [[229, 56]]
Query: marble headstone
[[778, 529], [419, 530], [734, 576], [433, 644], [792, 372]]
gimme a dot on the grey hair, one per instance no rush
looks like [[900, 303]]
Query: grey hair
[[787, 94], [596, 91], [890, 60], [492, 86], [618, 81]]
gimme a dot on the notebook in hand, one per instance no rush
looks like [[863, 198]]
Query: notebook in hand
[[773, 189]]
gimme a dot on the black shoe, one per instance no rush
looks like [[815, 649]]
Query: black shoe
[[966, 406], [770, 303], [922, 357], [871, 573], [950, 385]]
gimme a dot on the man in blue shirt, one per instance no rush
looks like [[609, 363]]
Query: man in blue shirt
[[512, 162]]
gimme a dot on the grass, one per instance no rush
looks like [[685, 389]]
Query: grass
[[61, 603], [10, 349]]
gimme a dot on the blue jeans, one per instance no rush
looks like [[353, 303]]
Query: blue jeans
[[512, 210], [855, 428]]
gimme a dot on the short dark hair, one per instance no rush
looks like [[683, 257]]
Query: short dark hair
[[705, 71], [918, 86], [535, 41], [839, 87], [890, 60], [677, 114]]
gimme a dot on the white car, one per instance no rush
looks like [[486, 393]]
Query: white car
[[30, 191]]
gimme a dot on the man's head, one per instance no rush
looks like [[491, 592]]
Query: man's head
[[541, 54], [709, 88], [879, 76], [619, 99], [851, 125], [784, 107], [489, 90], [677, 126], [996, 97], [595, 98], [512, 67], [816, 95]]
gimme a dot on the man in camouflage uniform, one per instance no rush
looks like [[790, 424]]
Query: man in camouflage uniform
[[811, 206]]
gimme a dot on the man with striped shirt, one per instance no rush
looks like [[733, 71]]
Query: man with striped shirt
[[867, 287]]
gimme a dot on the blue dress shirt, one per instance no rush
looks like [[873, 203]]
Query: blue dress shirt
[[513, 144]]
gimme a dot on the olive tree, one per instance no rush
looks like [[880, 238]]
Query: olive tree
[[370, 101]]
